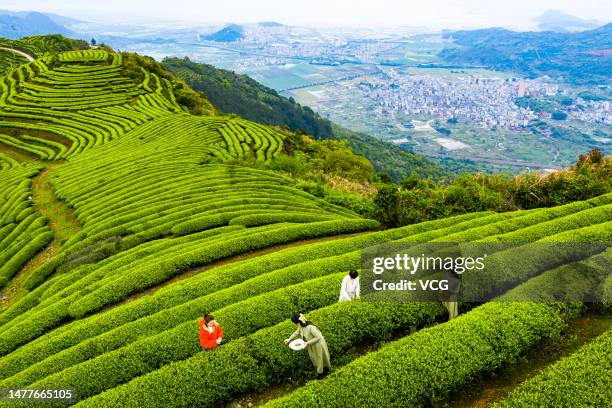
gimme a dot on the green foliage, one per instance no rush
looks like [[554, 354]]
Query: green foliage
[[387, 204], [149, 274], [389, 158], [153, 207], [61, 104], [564, 222], [197, 379], [568, 56], [536, 105], [215, 289], [593, 95], [181, 342], [420, 199], [606, 293], [411, 371], [442, 130], [134, 361], [36, 46], [192, 101], [580, 380], [239, 94], [354, 202], [312, 159], [23, 233], [348, 166], [344, 325]]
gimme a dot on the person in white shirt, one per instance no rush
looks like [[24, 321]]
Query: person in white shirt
[[350, 287]]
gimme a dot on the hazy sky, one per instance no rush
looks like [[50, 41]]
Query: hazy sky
[[375, 13]]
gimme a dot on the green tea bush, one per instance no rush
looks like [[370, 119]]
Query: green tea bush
[[185, 291], [580, 380], [182, 341], [197, 380], [428, 365]]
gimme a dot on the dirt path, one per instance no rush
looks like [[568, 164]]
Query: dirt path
[[498, 385], [23, 54], [62, 222]]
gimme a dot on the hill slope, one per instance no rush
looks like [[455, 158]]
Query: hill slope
[[575, 57], [554, 20], [58, 107], [230, 33], [240, 94], [303, 278], [35, 46]]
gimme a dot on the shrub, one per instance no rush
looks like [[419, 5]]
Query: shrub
[[348, 324], [579, 380], [94, 376], [196, 382], [184, 291], [147, 275]]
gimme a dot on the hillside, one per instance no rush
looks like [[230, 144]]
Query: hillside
[[60, 106], [579, 58], [240, 94], [35, 46], [130, 207], [230, 33]]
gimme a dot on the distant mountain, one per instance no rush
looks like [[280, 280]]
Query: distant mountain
[[554, 20], [22, 24], [230, 33], [270, 24], [580, 58], [63, 20]]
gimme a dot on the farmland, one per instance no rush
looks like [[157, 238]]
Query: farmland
[[124, 218]]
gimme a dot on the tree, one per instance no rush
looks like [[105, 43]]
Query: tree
[[387, 205], [93, 41], [385, 178], [558, 115]]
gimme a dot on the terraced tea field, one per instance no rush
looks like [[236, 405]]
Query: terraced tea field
[[166, 212]]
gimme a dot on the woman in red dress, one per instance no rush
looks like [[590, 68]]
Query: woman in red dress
[[211, 334]]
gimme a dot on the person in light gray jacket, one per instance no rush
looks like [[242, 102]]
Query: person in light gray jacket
[[315, 343]]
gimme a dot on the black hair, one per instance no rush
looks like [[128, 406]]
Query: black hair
[[456, 274], [295, 318], [353, 274], [208, 318]]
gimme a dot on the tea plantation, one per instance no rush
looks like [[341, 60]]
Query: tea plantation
[[173, 224]]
